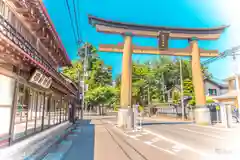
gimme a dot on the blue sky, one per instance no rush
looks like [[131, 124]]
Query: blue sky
[[174, 13]]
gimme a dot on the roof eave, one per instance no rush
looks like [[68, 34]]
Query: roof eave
[[68, 61]]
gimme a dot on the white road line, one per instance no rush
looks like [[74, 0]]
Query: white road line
[[177, 148], [161, 149], [133, 137], [155, 140], [177, 143], [138, 135], [148, 142], [202, 133]]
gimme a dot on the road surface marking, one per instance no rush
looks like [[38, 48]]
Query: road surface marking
[[177, 143], [161, 149], [148, 142], [138, 135], [213, 136], [155, 140], [133, 137], [109, 122], [223, 129], [177, 148]]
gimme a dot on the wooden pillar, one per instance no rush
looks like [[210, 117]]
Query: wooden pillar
[[197, 75], [126, 78], [14, 110]]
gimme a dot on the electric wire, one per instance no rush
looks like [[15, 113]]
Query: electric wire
[[76, 22], [71, 20], [226, 53]]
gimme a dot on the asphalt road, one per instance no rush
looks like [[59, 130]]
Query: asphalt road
[[186, 140], [190, 140], [157, 140]]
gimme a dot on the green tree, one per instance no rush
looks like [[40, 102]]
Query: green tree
[[143, 83], [176, 96], [73, 72], [188, 90], [99, 78], [101, 96]]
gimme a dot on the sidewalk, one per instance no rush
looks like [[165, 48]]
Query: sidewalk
[[105, 147], [88, 141]]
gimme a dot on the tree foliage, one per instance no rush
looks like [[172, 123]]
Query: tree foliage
[[99, 77], [151, 80], [101, 95], [188, 90], [99, 80], [73, 72]]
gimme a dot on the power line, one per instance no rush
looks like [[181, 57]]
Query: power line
[[228, 52], [76, 22], [70, 16], [78, 13]]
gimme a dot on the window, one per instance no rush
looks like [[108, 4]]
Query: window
[[6, 12], [212, 92], [1, 7]]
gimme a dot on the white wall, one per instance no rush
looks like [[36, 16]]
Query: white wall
[[223, 91], [6, 98], [208, 85]]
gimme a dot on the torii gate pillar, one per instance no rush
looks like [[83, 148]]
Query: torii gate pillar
[[125, 113], [197, 75], [126, 79]]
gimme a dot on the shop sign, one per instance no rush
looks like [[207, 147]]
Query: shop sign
[[41, 79]]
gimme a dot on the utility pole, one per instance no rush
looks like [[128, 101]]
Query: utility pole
[[163, 88], [181, 80], [148, 94], [79, 88], [85, 64], [150, 69], [82, 80]]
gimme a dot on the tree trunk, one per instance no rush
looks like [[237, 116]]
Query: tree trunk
[[99, 109], [185, 113]]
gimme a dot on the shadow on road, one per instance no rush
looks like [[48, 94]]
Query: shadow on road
[[170, 123], [78, 144]]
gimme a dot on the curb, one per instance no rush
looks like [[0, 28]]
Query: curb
[[44, 149]]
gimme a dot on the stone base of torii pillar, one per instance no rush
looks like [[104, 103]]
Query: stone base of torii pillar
[[125, 118]]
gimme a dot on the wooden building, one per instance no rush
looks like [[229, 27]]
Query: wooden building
[[33, 94]]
